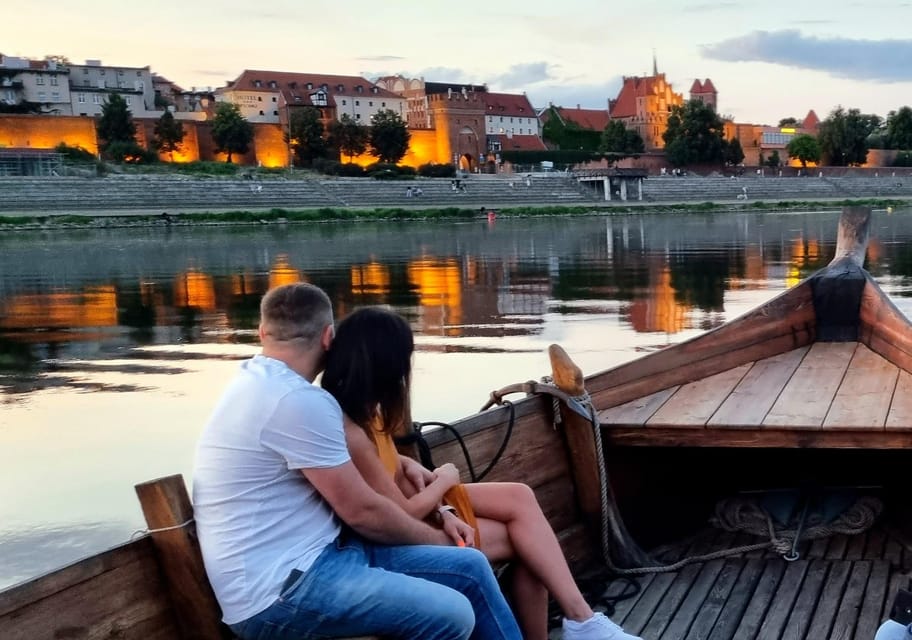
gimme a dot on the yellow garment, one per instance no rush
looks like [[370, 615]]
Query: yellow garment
[[457, 497]]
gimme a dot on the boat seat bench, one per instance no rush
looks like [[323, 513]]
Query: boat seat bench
[[860, 399]]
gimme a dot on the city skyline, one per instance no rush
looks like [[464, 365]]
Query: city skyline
[[768, 61]]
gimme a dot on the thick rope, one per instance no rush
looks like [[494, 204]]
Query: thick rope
[[855, 520], [784, 542]]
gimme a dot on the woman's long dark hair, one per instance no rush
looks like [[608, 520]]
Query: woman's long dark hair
[[368, 368]]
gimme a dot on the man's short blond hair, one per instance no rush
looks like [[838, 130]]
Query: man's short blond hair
[[298, 311]]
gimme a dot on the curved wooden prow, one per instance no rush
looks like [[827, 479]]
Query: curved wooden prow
[[838, 288], [584, 463], [853, 234]]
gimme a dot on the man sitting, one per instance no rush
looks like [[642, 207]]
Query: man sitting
[[272, 480]]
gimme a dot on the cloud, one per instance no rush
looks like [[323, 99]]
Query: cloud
[[876, 60], [379, 58], [522, 75], [587, 96], [710, 7], [442, 74], [213, 73]]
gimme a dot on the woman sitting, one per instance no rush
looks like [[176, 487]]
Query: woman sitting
[[368, 370]]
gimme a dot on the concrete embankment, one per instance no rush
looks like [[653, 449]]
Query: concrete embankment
[[125, 195]]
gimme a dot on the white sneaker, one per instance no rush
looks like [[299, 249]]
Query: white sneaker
[[598, 627]]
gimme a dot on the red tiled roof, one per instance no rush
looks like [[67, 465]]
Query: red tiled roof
[[708, 86], [508, 104], [595, 119], [696, 87], [294, 85], [811, 121], [625, 104], [519, 143]]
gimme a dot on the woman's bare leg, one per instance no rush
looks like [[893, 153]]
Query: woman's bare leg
[[531, 538], [530, 597]]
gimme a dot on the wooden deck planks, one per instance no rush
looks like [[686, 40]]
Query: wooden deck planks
[[752, 398], [800, 617], [900, 415], [694, 403], [806, 399], [636, 412], [869, 617], [863, 399], [738, 600], [830, 597], [852, 599]]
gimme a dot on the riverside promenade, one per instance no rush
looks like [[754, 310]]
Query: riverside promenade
[[139, 194]]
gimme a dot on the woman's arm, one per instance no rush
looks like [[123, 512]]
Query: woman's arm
[[364, 455]]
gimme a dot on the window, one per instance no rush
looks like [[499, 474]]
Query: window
[[275, 113], [344, 103], [81, 97], [272, 84], [261, 112], [55, 96], [96, 98], [383, 104], [39, 79], [273, 98], [128, 100], [501, 118], [10, 96], [85, 72], [138, 74], [53, 81], [357, 103], [357, 116], [42, 96], [259, 98], [257, 83], [370, 103], [101, 72], [120, 72]]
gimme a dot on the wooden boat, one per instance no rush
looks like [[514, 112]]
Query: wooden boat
[[808, 392]]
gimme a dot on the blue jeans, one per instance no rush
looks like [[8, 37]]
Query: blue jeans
[[358, 588]]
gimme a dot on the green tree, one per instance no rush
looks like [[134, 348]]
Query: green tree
[[804, 147], [694, 134], [733, 154], [774, 160], [843, 136], [899, 128], [307, 140], [789, 122], [349, 137], [389, 137], [231, 132], [568, 134], [116, 123], [169, 134], [618, 139]]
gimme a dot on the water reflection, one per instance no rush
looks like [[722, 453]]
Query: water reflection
[[114, 344]]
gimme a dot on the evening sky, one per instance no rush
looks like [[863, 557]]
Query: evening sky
[[768, 60]]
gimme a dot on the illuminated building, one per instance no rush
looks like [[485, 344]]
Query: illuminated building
[[91, 84], [644, 103], [511, 123], [42, 82]]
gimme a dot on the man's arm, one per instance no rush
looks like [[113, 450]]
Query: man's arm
[[374, 516]]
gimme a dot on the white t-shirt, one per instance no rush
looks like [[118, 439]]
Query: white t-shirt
[[257, 516]]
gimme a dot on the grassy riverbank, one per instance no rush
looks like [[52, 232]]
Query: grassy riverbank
[[330, 214]]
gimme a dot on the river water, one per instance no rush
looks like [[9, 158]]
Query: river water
[[115, 344]]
